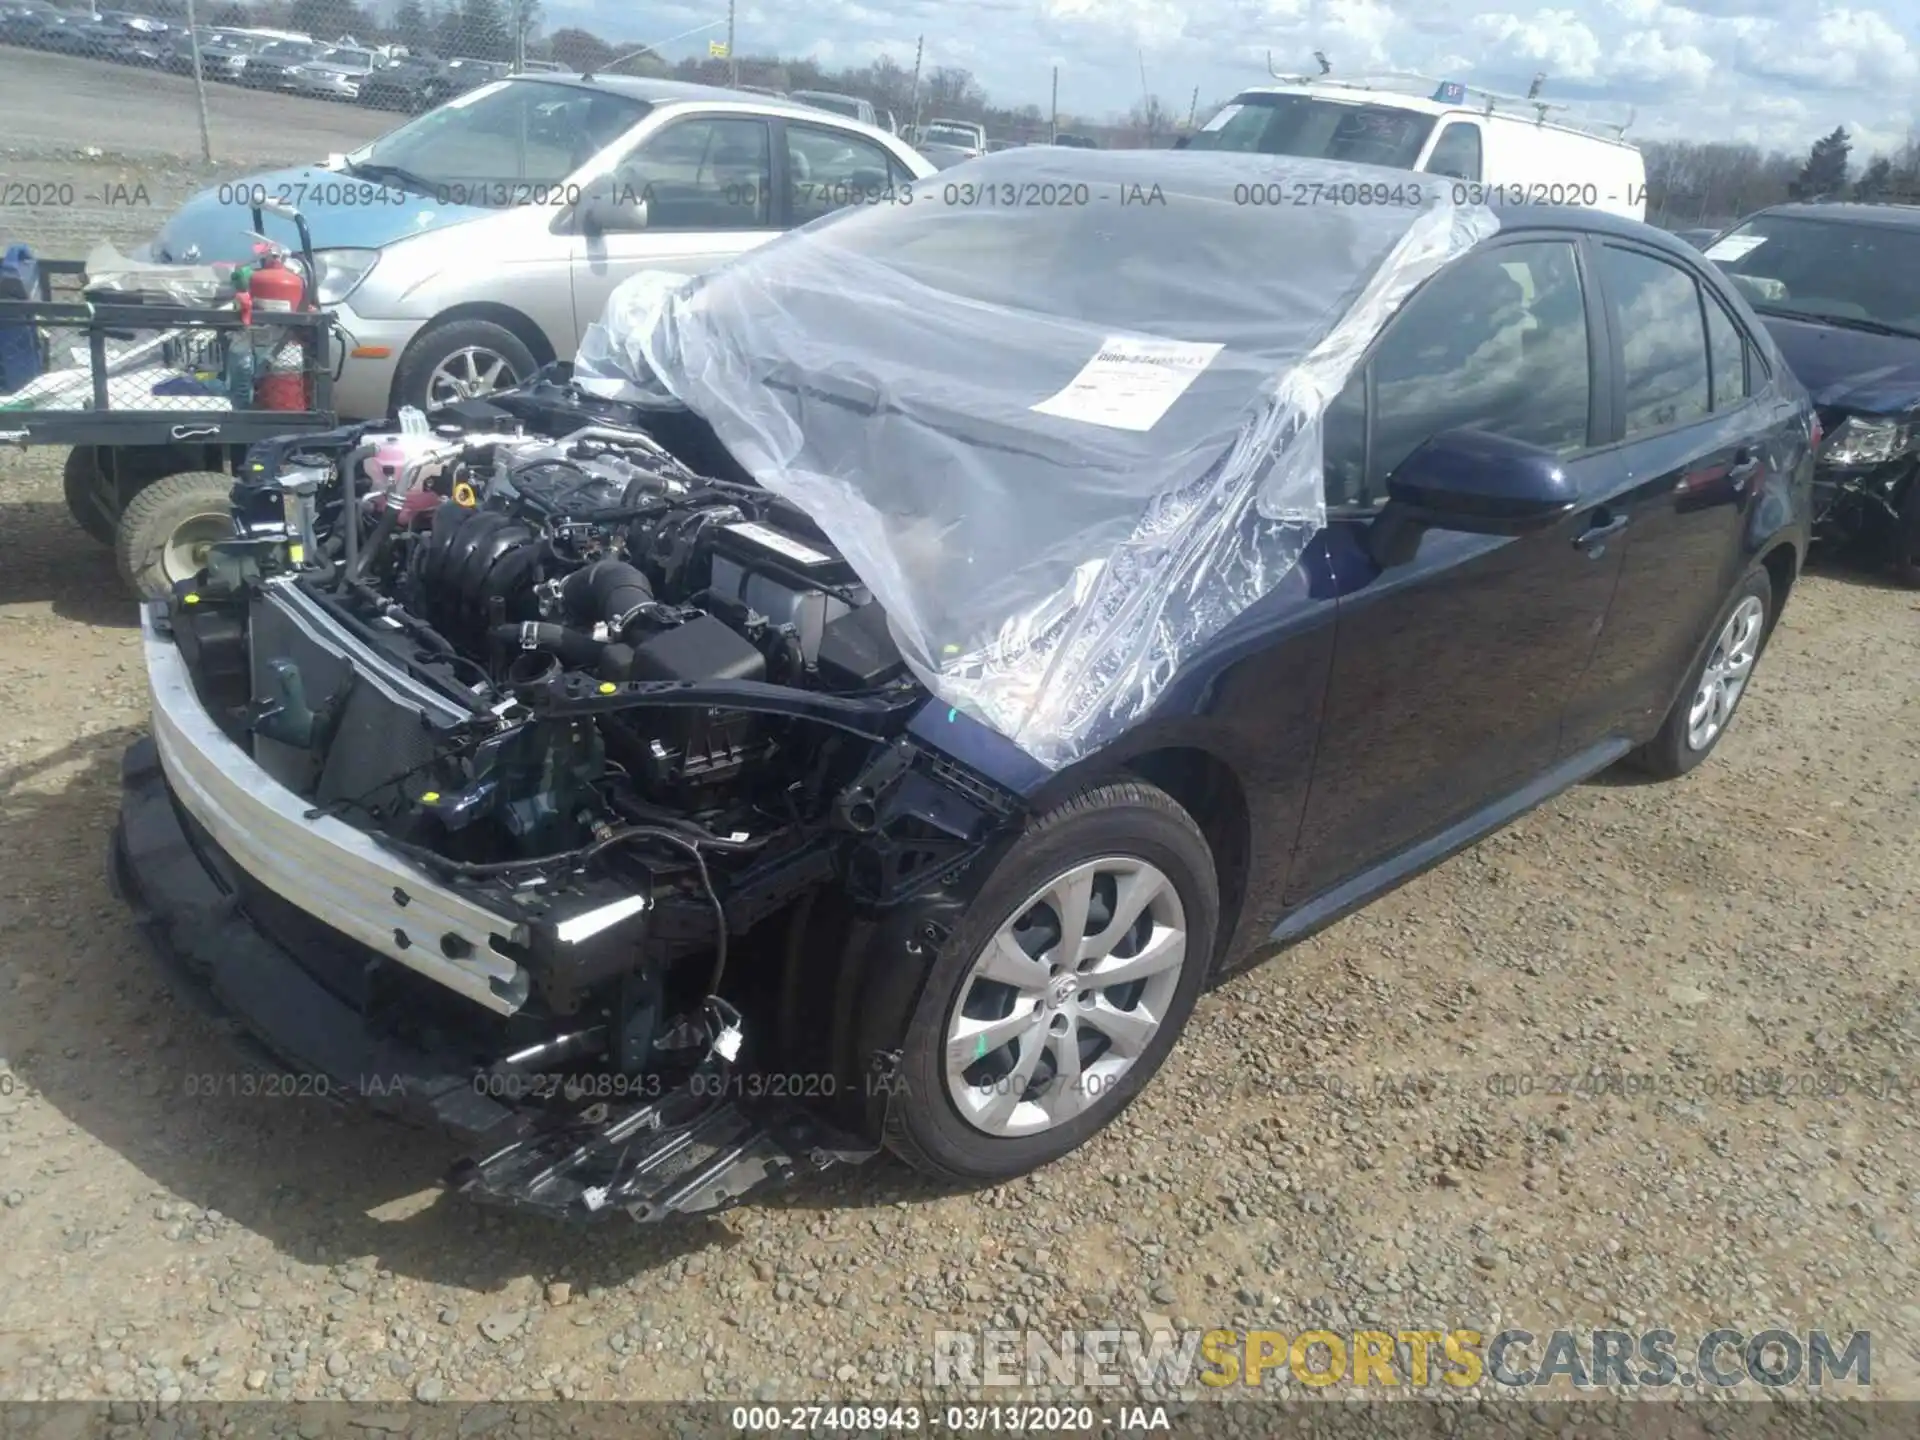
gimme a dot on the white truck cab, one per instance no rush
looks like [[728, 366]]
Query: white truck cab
[[1495, 148]]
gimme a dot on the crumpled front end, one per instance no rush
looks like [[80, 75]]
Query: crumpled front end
[[372, 982], [495, 771]]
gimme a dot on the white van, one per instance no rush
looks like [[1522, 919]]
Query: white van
[[1489, 144]]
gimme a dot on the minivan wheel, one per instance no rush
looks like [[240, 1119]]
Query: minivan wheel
[[462, 360], [1062, 990], [1700, 716]]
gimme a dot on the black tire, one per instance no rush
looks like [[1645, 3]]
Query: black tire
[[86, 493], [1906, 540], [439, 342], [144, 544], [1669, 754], [923, 1125]]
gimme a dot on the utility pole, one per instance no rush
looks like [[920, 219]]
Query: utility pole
[[1053, 127], [733, 60], [913, 95]]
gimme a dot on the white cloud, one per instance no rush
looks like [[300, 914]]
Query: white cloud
[[1769, 72]]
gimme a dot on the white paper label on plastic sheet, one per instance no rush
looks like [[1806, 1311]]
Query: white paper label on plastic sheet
[[780, 544], [1734, 246], [1130, 383], [1219, 121]]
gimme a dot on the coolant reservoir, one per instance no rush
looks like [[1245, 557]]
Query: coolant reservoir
[[408, 458]]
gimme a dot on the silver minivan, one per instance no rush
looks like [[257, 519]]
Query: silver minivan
[[477, 242]]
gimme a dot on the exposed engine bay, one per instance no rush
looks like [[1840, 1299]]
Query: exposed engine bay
[[631, 716]]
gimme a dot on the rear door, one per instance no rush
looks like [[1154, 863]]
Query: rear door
[[1692, 450], [1451, 672], [708, 180]]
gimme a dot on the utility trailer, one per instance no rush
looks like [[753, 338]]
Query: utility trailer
[[142, 393]]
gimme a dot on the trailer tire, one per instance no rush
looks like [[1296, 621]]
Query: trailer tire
[[164, 531], [84, 486]]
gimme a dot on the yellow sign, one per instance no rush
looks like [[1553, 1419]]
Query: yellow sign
[[717, 49]]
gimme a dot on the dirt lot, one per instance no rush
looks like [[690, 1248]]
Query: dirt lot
[[1338, 1143]]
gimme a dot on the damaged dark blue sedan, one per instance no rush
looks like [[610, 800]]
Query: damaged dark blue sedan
[[867, 701]]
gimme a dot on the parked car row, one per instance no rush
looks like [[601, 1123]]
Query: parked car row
[[379, 77]]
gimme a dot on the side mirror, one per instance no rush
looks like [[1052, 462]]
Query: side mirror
[[1472, 482], [610, 205]]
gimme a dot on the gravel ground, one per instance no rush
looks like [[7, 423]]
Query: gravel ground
[[1336, 1142]]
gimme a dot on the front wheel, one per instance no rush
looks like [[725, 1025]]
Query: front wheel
[[1062, 990], [1705, 708], [1907, 535], [462, 360]]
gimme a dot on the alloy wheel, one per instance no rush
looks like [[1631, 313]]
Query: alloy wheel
[[1066, 997], [469, 373], [1728, 669]]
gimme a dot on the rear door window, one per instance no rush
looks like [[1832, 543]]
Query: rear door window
[[1655, 307], [1727, 354]]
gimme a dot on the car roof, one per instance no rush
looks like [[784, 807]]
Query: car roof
[[1900, 217], [669, 92], [1518, 217]]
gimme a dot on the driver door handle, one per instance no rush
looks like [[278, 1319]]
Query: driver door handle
[[1745, 461], [1603, 528]]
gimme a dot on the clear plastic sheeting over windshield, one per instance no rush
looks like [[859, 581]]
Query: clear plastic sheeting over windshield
[[1062, 416]]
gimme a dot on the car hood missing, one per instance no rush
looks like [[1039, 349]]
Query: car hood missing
[[1063, 415]]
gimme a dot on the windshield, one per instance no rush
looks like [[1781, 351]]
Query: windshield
[[1063, 449], [952, 135], [1831, 269], [348, 59], [1318, 129], [286, 50], [506, 133]]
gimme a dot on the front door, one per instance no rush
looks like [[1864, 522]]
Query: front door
[[707, 181], [1450, 672]]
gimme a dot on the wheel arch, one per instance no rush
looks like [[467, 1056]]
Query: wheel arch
[[523, 327], [1210, 790], [1782, 564]]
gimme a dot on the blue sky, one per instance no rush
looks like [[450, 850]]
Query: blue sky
[[1760, 70]]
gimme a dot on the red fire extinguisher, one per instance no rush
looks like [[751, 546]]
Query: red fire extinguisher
[[281, 379]]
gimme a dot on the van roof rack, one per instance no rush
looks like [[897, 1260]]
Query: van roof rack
[[1490, 102]]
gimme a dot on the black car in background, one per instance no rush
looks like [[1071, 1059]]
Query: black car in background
[[408, 85], [1838, 285], [271, 67], [223, 56], [464, 73]]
